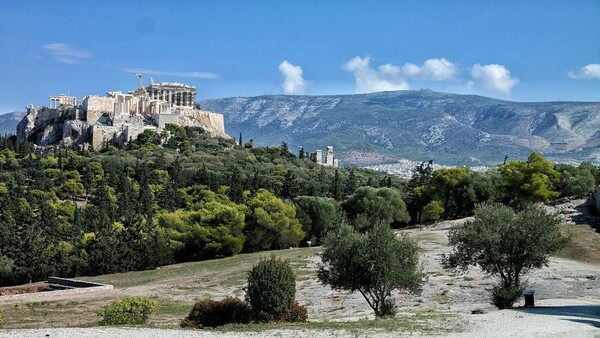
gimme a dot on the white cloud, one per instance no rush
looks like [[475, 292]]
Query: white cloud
[[196, 75], [293, 82], [66, 53], [439, 70], [587, 72], [493, 78], [392, 77], [367, 79]]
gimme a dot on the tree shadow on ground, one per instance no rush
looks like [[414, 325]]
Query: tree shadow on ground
[[584, 312], [586, 214]]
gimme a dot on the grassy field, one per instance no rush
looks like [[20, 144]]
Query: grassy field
[[175, 287], [584, 245]]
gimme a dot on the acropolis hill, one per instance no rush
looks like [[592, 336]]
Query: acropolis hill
[[116, 118]]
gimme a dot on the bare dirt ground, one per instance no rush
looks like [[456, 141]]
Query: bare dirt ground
[[567, 297]]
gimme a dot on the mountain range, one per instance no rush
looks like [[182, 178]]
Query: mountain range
[[452, 129], [8, 122]]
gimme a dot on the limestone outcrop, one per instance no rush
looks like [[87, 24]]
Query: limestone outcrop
[[116, 118]]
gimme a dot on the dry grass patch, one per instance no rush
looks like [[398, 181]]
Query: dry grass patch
[[584, 245]]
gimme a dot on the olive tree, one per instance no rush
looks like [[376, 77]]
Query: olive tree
[[506, 244], [375, 264]]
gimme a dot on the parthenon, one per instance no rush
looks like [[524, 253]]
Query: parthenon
[[174, 93]]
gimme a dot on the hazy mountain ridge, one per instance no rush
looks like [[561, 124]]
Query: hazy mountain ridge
[[418, 125], [8, 122]]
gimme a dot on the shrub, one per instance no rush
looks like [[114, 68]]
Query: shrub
[[211, 313], [505, 297], [433, 211], [297, 314], [1, 319], [128, 311], [271, 289]]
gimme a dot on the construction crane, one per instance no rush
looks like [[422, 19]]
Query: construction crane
[[139, 75]]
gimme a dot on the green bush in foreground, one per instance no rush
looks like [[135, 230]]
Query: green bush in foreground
[[271, 289], [128, 311], [212, 313]]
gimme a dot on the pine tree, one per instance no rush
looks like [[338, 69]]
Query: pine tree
[[336, 187], [236, 190], [290, 185], [285, 151], [350, 184]]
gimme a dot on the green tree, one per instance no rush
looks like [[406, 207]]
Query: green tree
[[375, 264], [351, 184], [419, 190], [290, 186], [302, 153], [575, 181], [368, 206], [318, 215], [433, 211], [6, 268], [271, 289], [271, 223], [530, 181], [506, 244]]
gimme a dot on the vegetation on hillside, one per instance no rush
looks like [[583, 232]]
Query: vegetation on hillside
[[183, 196]]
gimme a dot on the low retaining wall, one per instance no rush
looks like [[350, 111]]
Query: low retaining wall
[[72, 287]]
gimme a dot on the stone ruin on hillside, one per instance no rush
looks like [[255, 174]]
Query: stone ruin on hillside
[[117, 117], [330, 160]]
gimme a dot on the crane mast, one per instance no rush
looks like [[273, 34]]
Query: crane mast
[[139, 76]]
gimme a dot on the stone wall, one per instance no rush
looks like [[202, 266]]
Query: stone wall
[[102, 134], [96, 105], [212, 122], [161, 120], [73, 287], [132, 131]]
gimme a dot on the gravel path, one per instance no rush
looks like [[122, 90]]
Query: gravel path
[[553, 318]]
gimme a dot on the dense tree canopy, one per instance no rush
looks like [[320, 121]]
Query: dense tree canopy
[[182, 195], [369, 206]]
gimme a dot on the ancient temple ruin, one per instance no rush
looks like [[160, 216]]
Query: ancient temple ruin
[[330, 160], [117, 117]]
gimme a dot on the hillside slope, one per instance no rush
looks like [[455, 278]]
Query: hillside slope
[[8, 122], [418, 125]]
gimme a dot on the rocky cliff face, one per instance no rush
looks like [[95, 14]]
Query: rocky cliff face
[[65, 127], [46, 127], [417, 125]]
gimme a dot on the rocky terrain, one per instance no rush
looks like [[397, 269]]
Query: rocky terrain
[[367, 129], [60, 127]]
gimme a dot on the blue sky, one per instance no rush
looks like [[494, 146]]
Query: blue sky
[[519, 50]]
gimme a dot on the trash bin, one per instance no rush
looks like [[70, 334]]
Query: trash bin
[[528, 294]]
